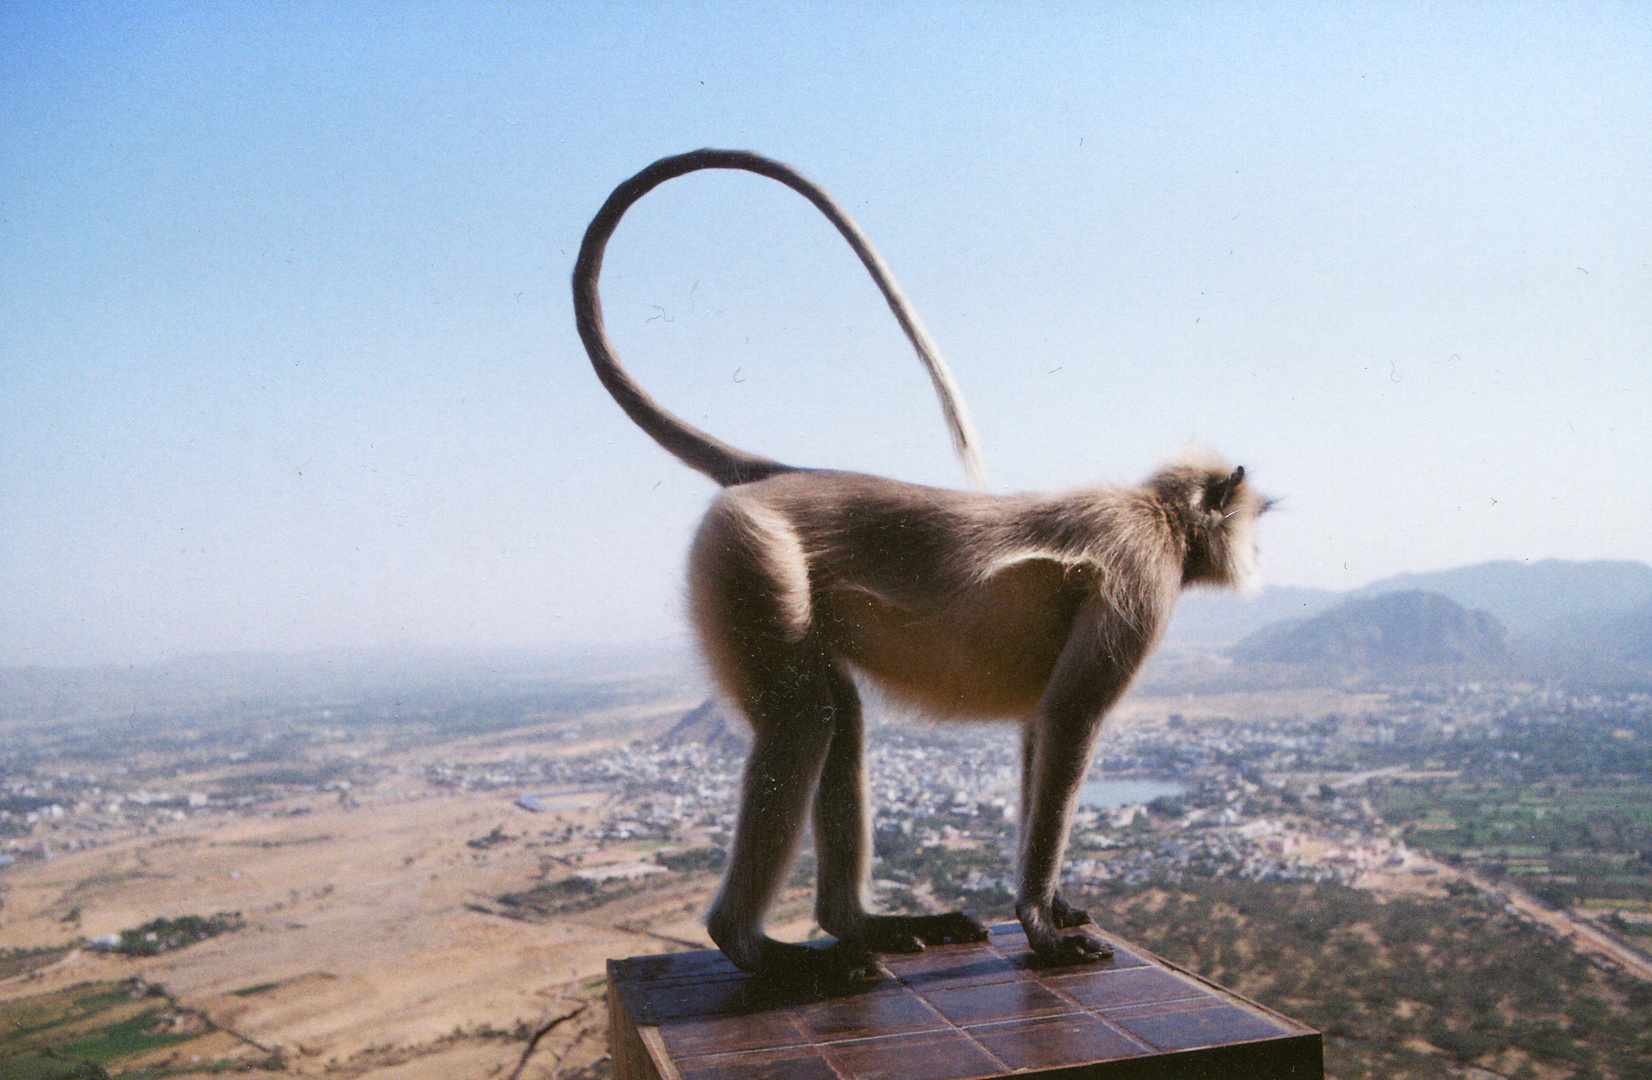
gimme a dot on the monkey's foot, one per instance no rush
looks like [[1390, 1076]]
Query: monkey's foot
[[839, 964], [910, 933], [1079, 948], [1065, 916], [1053, 948]]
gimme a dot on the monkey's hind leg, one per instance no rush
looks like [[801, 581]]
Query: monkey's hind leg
[[843, 846], [749, 596], [792, 721]]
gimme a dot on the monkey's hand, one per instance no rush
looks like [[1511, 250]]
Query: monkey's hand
[[1053, 948], [1066, 916], [910, 933]]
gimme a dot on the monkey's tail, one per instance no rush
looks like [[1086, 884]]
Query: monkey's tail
[[723, 463]]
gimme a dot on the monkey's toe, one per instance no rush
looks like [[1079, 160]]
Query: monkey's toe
[[1066, 916]]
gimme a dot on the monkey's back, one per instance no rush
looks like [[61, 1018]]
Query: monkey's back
[[957, 603]]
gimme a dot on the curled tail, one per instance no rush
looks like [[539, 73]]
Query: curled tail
[[723, 463]]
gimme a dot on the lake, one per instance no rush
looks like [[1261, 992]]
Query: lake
[[1112, 794]]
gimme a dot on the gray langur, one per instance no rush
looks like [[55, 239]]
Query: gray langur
[[963, 605]]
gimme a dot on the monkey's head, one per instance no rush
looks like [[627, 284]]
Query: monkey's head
[[1216, 510]]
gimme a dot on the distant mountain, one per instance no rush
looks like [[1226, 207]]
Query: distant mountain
[[710, 725], [1528, 597], [1604, 646], [1634, 631], [1393, 630]]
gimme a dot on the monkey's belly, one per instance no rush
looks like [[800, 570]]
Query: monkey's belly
[[988, 653]]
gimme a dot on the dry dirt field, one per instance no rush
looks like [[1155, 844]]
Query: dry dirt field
[[372, 943]]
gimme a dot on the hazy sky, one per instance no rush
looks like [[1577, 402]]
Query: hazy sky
[[287, 357]]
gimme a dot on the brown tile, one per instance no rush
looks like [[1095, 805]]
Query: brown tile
[[951, 966], [1180, 1005], [1057, 1042], [1112, 989], [996, 1001], [1181, 1027], [756, 1031], [862, 1015], [1121, 958], [803, 1063], [937, 1056]]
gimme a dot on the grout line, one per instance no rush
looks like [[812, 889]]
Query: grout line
[[964, 1031], [1095, 1014]]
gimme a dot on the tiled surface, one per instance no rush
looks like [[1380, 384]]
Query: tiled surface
[[958, 1012], [1121, 989], [894, 1011], [969, 1005], [1183, 1028], [1057, 1040]]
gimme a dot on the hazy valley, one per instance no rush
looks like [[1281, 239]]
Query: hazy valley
[[1406, 816]]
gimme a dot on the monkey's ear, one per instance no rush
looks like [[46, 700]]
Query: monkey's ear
[[1218, 493]]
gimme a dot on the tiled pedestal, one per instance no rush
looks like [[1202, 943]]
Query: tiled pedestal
[[949, 1013]]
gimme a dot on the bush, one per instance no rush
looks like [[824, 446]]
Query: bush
[[1465, 1045], [164, 935], [686, 862]]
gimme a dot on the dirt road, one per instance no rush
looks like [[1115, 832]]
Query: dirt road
[[1584, 936]]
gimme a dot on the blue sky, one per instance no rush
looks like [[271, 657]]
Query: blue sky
[[287, 358]]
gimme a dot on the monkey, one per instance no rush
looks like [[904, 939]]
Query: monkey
[[1039, 608]]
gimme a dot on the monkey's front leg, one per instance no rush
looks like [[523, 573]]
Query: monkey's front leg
[[1060, 760], [1064, 915], [1087, 680]]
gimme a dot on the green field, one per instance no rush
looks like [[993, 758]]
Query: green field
[[87, 1031], [1570, 842]]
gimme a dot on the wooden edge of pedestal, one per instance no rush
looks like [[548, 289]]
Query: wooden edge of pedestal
[[638, 1052], [1283, 1057]]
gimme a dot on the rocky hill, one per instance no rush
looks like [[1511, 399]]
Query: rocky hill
[[711, 725], [1394, 630]]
